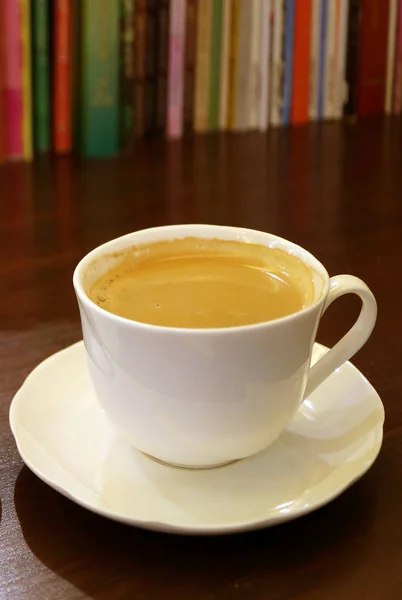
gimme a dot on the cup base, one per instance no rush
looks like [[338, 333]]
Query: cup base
[[189, 467]]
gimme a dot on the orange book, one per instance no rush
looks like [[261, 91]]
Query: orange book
[[62, 93], [301, 62]]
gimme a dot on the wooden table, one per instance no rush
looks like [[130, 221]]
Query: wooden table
[[335, 189]]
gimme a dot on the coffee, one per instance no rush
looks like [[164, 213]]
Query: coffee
[[203, 283]]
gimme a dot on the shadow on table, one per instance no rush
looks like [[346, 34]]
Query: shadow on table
[[108, 560]]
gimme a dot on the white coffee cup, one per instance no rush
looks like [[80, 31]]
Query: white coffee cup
[[204, 397]]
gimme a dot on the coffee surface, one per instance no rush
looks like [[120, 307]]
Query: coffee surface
[[203, 283]]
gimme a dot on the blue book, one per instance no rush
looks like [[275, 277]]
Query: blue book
[[288, 61], [321, 58]]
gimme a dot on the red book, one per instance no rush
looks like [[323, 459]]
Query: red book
[[372, 70], [12, 73], [62, 92], [397, 101], [301, 61]]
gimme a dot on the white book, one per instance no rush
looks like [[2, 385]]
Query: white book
[[389, 88], [255, 65], [224, 90], [330, 46], [314, 59], [340, 76], [277, 63], [265, 63]]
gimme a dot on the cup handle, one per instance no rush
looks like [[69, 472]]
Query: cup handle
[[354, 339]]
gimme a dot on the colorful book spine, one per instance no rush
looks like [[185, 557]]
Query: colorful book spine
[[2, 112], [398, 65], [243, 66], [372, 72], [140, 33], [254, 91], [289, 41], [163, 10], [203, 63], [335, 66], [265, 61], [278, 63], [321, 57], [215, 67], [41, 74], [189, 67], [329, 66], [12, 80], [76, 74], [152, 47], [340, 78], [224, 67], [126, 114], [314, 59], [176, 68], [233, 60], [26, 79], [301, 62], [62, 69], [392, 29], [352, 60], [100, 78]]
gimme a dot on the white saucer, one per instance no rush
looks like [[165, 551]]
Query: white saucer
[[63, 436]]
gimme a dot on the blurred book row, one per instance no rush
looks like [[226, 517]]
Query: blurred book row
[[91, 76]]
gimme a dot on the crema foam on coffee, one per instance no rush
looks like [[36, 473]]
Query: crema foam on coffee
[[204, 283]]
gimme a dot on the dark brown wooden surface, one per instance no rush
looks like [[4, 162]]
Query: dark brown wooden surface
[[336, 190]]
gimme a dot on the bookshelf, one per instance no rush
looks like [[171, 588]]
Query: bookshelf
[[94, 77]]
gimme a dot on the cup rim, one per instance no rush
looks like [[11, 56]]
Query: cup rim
[[108, 248]]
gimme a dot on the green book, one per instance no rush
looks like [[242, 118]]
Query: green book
[[215, 74], [99, 90], [41, 74]]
